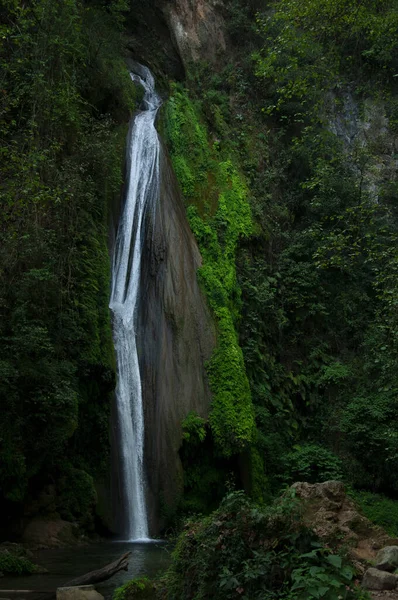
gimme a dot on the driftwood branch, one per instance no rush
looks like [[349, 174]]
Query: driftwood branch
[[121, 564]]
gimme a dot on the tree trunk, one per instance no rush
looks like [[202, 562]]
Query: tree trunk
[[121, 564]]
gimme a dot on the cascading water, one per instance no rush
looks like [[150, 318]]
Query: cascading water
[[141, 196]]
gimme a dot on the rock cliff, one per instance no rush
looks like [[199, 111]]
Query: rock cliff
[[175, 338]]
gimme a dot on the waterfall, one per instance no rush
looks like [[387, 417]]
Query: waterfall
[[141, 196]]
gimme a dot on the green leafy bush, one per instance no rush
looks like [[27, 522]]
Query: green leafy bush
[[312, 463], [14, 564], [321, 576], [371, 436], [140, 588], [241, 551]]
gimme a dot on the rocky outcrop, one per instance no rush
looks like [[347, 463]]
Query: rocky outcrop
[[198, 28], [176, 338], [334, 517]]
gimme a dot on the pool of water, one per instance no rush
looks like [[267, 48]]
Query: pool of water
[[64, 564]]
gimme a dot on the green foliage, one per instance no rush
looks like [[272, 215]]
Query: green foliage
[[231, 417], [312, 46], [219, 215], [318, 274], [379, 509], [66, 97], [187, 139], [312, 463], [323, 576], [370, 427], [76, 497], [206, 474], [140, 587], [15, 564], [240, 551], [193, 428]]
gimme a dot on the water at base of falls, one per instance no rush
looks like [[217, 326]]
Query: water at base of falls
[[141, 196]]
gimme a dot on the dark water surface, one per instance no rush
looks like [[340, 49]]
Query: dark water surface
[[65, 564]]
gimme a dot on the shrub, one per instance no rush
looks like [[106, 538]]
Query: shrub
[[13, 564], [140, 587], [312, 463], [77, 496], [242, 551]]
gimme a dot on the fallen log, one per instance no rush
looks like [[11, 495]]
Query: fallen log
[[121, 564]]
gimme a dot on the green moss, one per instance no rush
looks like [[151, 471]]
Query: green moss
[[187, 140], [204, 174], [231, 417]]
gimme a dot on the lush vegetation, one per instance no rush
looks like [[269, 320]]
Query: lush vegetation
[[242, 551], [285, 152], [219, 215], [329, 228], [301, 115], [140, 587], [65, 101], [15, 562]]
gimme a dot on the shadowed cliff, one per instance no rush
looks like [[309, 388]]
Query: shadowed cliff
[[175, 337]]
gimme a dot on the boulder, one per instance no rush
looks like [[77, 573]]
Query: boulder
[[50, 533], [79, 592], [387, 559], [379, 580]]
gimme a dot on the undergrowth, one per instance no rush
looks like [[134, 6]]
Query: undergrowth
[[242, 551]]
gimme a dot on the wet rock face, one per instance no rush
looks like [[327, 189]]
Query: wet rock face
[[198, 28], [176, 336]]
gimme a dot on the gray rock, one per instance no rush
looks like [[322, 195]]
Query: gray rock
[[387, 558], [379, 580], [78, 592]]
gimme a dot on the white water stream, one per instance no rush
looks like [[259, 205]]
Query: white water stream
[[141, 196]]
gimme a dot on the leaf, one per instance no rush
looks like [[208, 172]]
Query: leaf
[[334, 560]]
